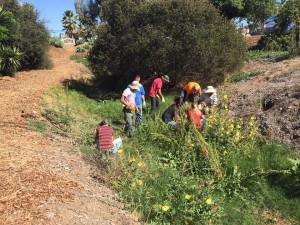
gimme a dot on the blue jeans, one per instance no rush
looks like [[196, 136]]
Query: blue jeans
[[154, 105], [190, 98], [139, 115]]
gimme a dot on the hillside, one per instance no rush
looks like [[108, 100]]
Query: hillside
[[44, 178], [273, 96]]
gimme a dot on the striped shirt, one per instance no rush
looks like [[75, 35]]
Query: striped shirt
[[105, 135]]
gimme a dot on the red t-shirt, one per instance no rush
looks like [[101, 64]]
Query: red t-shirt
[[105, 135], [157, 84], [196, 118]]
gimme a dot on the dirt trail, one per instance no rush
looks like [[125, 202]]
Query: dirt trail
[[44, 180]]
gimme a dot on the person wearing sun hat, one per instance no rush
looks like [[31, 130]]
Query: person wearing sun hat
[[155, 93], [129, 107], [208, 99], [189, 91], [140, 101]]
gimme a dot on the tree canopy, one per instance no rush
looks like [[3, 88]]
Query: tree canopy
[[181, 38]]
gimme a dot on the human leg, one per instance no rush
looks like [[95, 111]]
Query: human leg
[[154, 105], [139, 115], [129, 127]]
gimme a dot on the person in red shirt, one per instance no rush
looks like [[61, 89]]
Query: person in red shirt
[[196, 117], [155, 92], [104, 136]]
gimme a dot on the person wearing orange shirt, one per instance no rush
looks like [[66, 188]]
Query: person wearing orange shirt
[[190, 90]]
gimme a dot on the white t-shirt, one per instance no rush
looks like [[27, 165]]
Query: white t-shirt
[[129, 96]]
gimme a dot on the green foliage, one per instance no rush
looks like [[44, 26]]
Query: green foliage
[[176, 37], [181, 176], [56, 42], [253, 10], [69, 22], [79, 42], [8, 26], [10, 58], [238, 76], [289, 14], [261, 54], [276, 42], [88, 15], [80, 59], [37, 125]]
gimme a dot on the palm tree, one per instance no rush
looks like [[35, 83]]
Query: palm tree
[[69, 22]]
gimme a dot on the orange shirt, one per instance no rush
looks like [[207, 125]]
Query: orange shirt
[[189, 87]]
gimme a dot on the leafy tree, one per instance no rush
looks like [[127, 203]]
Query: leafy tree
[[289, 16], [32, 39], [257, 11], [181, 38], [88, 13], [69, 22], [8, 25]]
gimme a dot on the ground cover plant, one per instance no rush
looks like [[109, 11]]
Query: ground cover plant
[[179, 176]]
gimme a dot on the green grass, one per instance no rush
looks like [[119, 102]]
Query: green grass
[[163, 174], [262, 54], [80, 59], [236, 77]]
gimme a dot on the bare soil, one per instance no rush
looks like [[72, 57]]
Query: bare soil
[[45, 180], [273, 97]]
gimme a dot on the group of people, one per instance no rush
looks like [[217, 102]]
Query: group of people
[[134, 102], [202, 103]]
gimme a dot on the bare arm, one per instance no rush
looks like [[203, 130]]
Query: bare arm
[[124, 102], [159, 93]]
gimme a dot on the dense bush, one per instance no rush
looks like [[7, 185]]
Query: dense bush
[[176, 37], [32, 38], [276, 42], [79, 42], [56, 42]]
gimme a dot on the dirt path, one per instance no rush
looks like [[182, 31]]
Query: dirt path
[[43, 180]]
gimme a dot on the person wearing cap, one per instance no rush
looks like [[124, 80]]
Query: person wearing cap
[[171, 114], [139, 101], [208, 99], [104, 138], [155, 93], [129, 107], [190, 90]]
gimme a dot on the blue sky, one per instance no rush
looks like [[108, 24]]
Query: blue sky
[[52, 11]]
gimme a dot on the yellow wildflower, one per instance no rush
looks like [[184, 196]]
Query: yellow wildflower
[[187, 197], [253, 118], [225, 107], [225, 97], [132, 160], [208, 201], [192, 145], [140, 164], [140, 182], [165, 208], [120, 151], [133, 185]]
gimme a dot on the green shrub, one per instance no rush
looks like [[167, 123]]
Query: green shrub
[[80, 59], [56, 42], [10, 58], [263, 54], [238, 76], [80, 49], [176, 37], [276, 42], [79, 42]]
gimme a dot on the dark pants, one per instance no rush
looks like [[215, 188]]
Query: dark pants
[[130, 117], [154, 105], [183, 95]]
